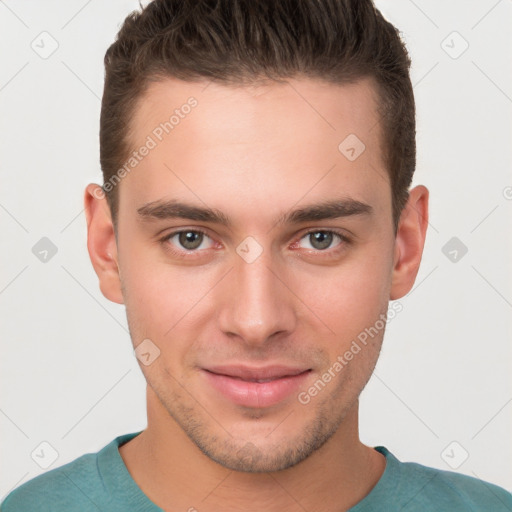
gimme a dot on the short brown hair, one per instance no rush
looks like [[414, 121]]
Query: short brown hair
[[250, 41]]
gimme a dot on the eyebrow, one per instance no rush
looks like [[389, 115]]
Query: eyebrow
[[332, 209]]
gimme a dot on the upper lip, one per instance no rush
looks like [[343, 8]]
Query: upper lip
[[257, 373]]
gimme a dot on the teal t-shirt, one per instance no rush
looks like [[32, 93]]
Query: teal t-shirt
[[101, 481]]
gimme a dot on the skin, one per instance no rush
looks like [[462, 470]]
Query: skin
[[255, 153]]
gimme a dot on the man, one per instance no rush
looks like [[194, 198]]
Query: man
[[255, 219]]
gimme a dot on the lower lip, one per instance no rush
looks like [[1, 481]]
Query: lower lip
[[256, 394]]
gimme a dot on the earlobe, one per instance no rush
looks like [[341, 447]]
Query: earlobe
[[101, 243], [409, 243]]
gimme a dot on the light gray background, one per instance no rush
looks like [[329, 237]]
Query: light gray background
[[68, 374]]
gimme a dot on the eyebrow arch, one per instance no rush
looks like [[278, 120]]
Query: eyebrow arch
[[332, 209]]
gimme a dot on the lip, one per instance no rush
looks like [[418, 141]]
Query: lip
[[240, 383]]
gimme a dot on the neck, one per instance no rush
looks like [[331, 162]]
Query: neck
[[172, 471]]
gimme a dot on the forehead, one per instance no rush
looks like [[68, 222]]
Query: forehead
[[232, 113], [276, 142]]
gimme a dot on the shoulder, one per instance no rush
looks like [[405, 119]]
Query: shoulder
[[64, 488], [427, 488], [75, 486], [450, 489]]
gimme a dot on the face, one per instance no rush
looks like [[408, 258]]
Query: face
[[253, 250]]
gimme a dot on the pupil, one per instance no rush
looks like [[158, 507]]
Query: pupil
[[321, 239], [190, 240]]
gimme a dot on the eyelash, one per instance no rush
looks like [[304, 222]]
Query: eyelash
[[330, 252], [345, 240]]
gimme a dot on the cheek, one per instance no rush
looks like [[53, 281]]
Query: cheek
[[155, 300], [350, 297], [347, 298], [161, 299], [148, 292]]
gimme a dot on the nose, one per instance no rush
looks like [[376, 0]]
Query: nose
[[257, 304]]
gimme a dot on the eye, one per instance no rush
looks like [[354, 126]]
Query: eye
[[321, 240], [189, 239]]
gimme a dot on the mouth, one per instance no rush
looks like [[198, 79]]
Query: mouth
[[256, 387]]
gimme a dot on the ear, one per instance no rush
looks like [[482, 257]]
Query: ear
[[410, 239], [101, 242]]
